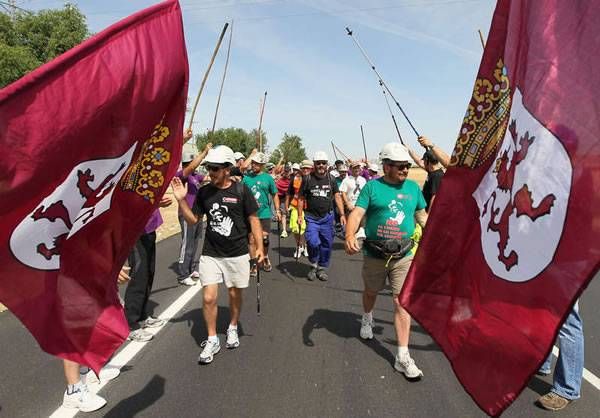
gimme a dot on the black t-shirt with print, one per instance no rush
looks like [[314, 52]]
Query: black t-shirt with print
[[227, 212], [432, 184], [319, 193]]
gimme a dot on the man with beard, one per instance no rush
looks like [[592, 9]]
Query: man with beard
[[319, 191]]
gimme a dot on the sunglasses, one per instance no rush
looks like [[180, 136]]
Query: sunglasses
[[400, 166], [320, 162], [211, 167]]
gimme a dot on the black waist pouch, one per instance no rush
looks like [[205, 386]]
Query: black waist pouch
[[389, 248]]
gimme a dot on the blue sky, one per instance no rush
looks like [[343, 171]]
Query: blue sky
[[319, 85]]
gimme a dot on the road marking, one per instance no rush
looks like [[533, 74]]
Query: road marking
[[134, 347], [587, 375]]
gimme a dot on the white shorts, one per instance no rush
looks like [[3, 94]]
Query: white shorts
[[234, 271]]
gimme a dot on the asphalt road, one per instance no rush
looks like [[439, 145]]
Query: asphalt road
[[301, 358]]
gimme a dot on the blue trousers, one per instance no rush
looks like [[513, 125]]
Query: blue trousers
[[569, 367], [319, 239]]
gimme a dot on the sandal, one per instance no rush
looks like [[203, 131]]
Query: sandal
[[267, 266]]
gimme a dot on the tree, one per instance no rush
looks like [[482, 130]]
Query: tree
[[291, 148], [235, 138], [28, 40]]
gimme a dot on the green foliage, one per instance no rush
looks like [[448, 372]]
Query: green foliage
[[235, 138], [291, 148], [28, 40]]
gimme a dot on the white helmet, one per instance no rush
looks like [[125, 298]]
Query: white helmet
[[259, 158], [320, 156], [295, 166], [238, 155], [395, 152], [221, 154], [373, 167], [187, 157]]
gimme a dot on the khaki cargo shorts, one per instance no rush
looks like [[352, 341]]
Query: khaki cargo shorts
[[375, 273]]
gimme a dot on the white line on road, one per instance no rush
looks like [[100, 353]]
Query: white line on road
[[587, 375], [134, 347]]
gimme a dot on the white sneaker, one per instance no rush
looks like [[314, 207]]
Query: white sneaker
[[305, 251], [298, 253], [233, 340], [140, 335], [366, 328], [106, 374], [188, 281], [407, 366], [360, 234], [83, 399], [210, 349], [152, 322], [195, 275], [284, 234]]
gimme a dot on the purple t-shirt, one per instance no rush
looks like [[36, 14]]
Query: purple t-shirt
[[193, 181], [154, 222]]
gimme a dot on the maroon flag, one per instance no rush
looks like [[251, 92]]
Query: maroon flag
[[513, 237], [91, 140]]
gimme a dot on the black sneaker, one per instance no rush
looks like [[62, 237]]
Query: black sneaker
[[312, 274], [322, 275]]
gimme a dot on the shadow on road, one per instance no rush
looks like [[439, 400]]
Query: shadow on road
[[195, 320], [129, 407], [344, 325]]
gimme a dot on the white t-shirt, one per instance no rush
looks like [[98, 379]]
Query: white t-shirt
[[352, 187]]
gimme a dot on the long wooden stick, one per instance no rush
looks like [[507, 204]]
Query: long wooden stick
[[364, 146], [262, 111], [341, 152], [481, 38], [223, 79], [212, 60], [334, 153]]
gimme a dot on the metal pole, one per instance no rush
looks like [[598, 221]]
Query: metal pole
[[257, 289], [334, 153], [212, 60], [381, 80], [392, 115]]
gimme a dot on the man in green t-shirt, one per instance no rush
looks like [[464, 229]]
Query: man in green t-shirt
[[391, 204], [263, 188]]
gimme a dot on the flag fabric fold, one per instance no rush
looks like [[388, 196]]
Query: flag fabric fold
[[92, 139], [512, 240]]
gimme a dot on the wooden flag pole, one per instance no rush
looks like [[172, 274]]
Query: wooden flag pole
[[262, 111], [222, 79], [481, 38], [212, 60]]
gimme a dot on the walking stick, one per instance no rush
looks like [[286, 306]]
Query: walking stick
[[223, 79], [350, 34], [364, 146], [212, 60], [257, 288], [279, 240]]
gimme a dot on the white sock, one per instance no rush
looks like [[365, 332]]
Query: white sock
[[403, 351], [232, 326], [83, 370], [368, 315], [71, 389], [213, 338]]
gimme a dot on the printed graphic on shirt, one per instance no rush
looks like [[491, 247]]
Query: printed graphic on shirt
[[221, 223]]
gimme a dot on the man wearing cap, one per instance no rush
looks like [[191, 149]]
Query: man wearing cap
[[320, 192], [297, 223], [187, 267], [373, 170], [391, 204], [351, 187], [231, 213], [263, 189]]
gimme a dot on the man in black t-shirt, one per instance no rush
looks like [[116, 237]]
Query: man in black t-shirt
[[320, 192], [231, 210], [434, 178]]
